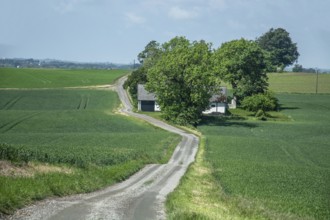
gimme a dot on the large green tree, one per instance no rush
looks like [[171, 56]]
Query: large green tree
[[150, 53], [182, 79], [147, 57], [280, 50], [241, 63]]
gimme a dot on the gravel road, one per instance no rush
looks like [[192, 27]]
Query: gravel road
[[142, 196]]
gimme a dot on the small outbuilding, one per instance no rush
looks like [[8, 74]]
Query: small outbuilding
[[218, 102], [146, 100]]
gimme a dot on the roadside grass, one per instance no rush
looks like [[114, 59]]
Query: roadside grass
[[298, 82], [16, 192], [261, 170], [56, 78], [75, 129]]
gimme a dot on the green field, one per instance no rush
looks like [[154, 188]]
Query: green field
[[299, 82], [56, 78], [250, 169], [77, 136], [283, 166]]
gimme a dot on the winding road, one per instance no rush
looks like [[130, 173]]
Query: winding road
[[142, 196]]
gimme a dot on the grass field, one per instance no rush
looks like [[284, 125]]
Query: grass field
[[299, 82], [249, 169], [56, 78], [65, 141]]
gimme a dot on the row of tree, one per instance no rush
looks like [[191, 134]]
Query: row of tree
[[47, 63], [184, 74], [297, 68]]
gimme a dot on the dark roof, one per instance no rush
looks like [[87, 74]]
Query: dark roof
[[143, 94]]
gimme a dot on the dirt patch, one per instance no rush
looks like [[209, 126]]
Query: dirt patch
[[7, 168]]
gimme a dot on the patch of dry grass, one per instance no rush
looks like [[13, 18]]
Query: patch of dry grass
[[30, 169]]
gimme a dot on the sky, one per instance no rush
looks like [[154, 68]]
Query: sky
[[117, 30]]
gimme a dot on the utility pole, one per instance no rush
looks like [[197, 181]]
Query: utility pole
[[317, 80]]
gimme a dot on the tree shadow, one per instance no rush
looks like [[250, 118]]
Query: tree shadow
[[226, 121], [281, 107]]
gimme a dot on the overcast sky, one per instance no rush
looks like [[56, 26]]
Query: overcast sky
[[117, 30]]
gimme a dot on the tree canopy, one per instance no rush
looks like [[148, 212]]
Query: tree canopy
[[280, 49], [184, 74], [139, 76], [183, 80], [241, 63]]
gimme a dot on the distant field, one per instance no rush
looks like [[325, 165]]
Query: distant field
[[298, 82], [56, 78]]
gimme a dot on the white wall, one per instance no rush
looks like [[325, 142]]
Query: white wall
[[216, 108], [157, 107]]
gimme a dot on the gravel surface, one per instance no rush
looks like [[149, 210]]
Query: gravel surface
[[142, 196]]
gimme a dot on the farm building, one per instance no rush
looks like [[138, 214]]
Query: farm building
[[218, 102], [147, 101]]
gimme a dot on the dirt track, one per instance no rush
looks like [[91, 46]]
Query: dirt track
[[141, 196]]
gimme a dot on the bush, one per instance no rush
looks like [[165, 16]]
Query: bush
[[261, 101]]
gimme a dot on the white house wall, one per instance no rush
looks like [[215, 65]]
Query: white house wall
[[157, 107], [216, 108]]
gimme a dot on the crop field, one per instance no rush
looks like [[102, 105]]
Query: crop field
[[299, 82], [73, 126], [65, 141], [56, 78], [283, 166]]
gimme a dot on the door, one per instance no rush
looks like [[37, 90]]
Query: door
[[148, 106]]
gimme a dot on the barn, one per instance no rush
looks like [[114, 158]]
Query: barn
[[146, 101]]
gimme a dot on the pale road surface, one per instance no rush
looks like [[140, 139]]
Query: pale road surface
[[142, 196]]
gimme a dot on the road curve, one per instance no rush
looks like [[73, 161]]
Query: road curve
[[142, 196]]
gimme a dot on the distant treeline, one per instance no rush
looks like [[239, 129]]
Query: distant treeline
[[300, 69], [36, 63]]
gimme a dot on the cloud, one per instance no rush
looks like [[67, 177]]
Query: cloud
[[178, 13], [133, 18]]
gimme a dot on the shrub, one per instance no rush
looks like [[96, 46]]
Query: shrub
[[261, 101]]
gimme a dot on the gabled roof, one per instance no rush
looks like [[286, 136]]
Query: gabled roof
[[143, 94]]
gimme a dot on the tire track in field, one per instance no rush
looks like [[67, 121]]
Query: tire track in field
[[83, 104], [11, 103], [10, 125]]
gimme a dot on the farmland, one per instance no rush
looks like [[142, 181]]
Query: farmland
[[56, 78], [299, 82], [262, 170], [77, 136]]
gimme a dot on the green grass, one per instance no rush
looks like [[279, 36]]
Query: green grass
[[263, 170], [56, 78], [73, 128], [298, 82]]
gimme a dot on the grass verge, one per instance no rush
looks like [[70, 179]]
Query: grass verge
[[17, 191]]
